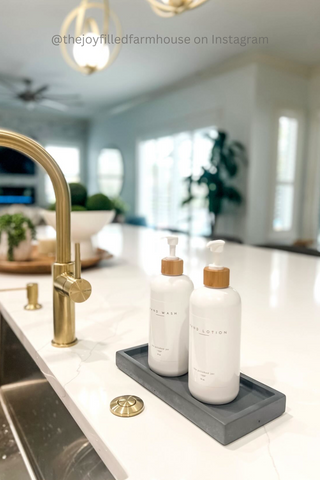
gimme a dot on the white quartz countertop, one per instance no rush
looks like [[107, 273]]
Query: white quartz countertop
[[280, 347]]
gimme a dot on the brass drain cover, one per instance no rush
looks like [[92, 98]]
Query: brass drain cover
[[126, 406]]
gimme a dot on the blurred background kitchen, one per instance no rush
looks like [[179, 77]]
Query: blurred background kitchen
[[211, 136]]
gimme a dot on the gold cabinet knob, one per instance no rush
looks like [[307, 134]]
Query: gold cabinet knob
[[32, 295]]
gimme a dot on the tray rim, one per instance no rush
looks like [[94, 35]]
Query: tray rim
[[276, 395], [42, 265]]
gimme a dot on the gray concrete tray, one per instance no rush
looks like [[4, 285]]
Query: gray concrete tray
[[256, 404]]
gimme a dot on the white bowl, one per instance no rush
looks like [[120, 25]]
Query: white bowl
[[83, 226]]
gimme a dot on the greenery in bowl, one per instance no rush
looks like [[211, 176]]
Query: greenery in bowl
[[80, 202], [78, 193], [16, 227]]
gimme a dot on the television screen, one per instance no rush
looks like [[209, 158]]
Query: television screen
[[17, 195], [13, 162]]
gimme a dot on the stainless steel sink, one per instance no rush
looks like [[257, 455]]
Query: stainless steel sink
[[39, 440]]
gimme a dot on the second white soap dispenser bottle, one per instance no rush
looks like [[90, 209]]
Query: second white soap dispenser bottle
[[169, 316], [215, 324]]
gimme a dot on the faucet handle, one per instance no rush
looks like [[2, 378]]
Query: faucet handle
[[79, 289], [77, 264], [72, 285]]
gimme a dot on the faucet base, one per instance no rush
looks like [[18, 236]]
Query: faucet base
[[64, 345], [64, 331]]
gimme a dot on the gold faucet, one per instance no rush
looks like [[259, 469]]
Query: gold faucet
[[68, 286]]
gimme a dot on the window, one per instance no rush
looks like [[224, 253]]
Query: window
[[110, 172], [164, 164], [68, 159], [285, 173]]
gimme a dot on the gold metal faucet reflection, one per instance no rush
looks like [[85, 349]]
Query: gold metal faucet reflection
[[68, 286]]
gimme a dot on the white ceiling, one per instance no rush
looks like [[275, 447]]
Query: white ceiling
[[293, 28]]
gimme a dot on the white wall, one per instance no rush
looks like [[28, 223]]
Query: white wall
[[44, 128], [275, 90], [243, 101], [224, 100], [311, 195]]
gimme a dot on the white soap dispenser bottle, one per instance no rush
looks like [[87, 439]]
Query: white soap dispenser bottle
[[215, 325], [169, 316]]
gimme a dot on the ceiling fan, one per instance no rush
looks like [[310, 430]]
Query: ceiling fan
[[32, 97]]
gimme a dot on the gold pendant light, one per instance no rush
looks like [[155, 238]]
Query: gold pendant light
[[90, 49], [169, 8]]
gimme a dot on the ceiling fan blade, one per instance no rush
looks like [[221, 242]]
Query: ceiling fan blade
[[9, 102], [53, 104], [63, 97], [41, 90], [67, 103], [5, 104], [74, 100], [7, 84]]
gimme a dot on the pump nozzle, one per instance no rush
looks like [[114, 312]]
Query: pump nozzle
[[172, 265], [216, 247], [173, 241]]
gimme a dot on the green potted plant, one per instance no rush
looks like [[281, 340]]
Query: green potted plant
[[225, 158], [16, 235], [121, 209], [89, 215]]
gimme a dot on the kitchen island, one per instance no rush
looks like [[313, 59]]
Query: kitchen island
[[280, 347]]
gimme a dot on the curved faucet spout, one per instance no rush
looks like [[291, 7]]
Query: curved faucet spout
[[68, 287], [38, 154]]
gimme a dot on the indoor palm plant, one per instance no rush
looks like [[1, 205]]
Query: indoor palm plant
[[225, 158], [16, 234], [121, 208]]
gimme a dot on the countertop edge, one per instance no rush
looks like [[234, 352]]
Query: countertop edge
[[104, 453]]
